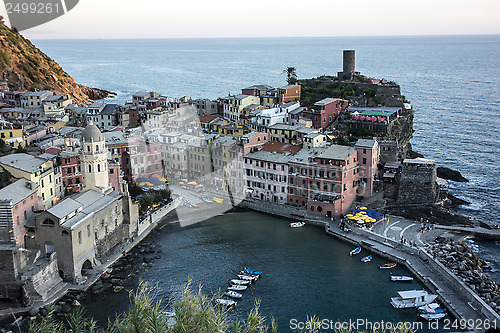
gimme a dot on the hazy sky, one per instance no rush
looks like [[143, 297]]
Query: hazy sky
[[271, 18]]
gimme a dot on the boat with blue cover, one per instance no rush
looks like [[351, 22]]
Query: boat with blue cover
[[355, 251], [367, 259], [251, 271]]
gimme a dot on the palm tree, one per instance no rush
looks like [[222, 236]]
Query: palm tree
[[291, 75]]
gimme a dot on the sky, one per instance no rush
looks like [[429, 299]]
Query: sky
[[269, 18]]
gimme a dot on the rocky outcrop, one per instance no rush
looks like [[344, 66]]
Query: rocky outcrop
[[447, 173], [464, 263], [24, 67]]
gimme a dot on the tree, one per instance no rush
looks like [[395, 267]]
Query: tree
[[291, 75]]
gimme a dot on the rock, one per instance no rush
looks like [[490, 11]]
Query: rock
[[43, 312], [76, 303], [34, 311], [447, 173]]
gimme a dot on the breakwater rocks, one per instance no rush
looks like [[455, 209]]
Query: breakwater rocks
[[464, 263], [447, 173]]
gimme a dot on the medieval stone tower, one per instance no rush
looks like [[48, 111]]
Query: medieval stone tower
[[94, 160], [349, 65]]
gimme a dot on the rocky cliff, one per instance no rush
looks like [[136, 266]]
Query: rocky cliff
[[25, 67]]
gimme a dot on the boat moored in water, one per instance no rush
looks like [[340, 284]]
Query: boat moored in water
[[412, 299], [225, 302], [239, 282], [237, 287], [297, 224], [232, 294], [251, 271], [247, 277], [431, 311], [355, 251], [367, 259], [388, 265], [401, 278]]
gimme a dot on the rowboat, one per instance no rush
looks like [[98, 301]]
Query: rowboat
[[226, 302], [388, 265], [247, 277], [431, 311], [237, 287], [240, 282], [355, 251], [232, 294], [401, 278], [297, 224], [367, 259], [251, 271]]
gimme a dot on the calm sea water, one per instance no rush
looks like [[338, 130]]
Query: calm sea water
[[452, 83], [306, 272]]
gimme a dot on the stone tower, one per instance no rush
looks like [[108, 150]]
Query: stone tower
[[418, 182], [94, 160], [349, 66]]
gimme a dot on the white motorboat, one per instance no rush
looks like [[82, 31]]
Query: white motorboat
[[412, 299], [401, 278], [232, 294], [367, 259], [247, 277], [431, 311], [240, 282], [237, 287], [226, 302], [297, 224]]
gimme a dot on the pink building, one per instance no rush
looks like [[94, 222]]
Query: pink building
[[267, 175], [71, 173], [253, 141], [324, 112], [324, 180], [115, 175], [368, 159], [18, 202]]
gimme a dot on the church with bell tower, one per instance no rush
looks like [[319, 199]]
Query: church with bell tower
[[94, 160]]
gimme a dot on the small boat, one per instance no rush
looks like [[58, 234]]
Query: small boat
[[251, 271], [240, 282], [208, 200], [232, 294], [237, 287], [431, 311], [388, 265], [401, 278], [297, 224], [412, 299], [250, 274], [367, 259], [355, 251], [226, 302], [247, 277]]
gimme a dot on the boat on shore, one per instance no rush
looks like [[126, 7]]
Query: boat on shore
[[355, 251], [232, 294], [239, 282], [297, 224], [388, 265], [225, 302], [237, 287], [367, 259], [208, 200], [401, 278], [412, 299]]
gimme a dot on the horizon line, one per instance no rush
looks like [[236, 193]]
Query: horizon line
[[260, 37]]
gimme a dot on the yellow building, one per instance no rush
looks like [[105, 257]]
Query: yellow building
[[12, 136], [35, 169], [235, 130]]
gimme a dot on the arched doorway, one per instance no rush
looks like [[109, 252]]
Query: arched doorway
[[49, 249], [87, 266]]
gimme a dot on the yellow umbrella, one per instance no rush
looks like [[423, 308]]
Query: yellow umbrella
[[218, 200], [181, 183], [349, 215], [363, 208], [192, 183], [362, 213]]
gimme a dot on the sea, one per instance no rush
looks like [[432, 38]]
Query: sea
[[452, 83]]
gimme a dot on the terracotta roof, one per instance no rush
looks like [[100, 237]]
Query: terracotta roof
[[207, 118], [280, 147]]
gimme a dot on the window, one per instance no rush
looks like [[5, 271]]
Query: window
[[98, 168], [111, 171], [88, 230], [364, 160], [90, 168], [79, 237], [48, 222], [364, 151]]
